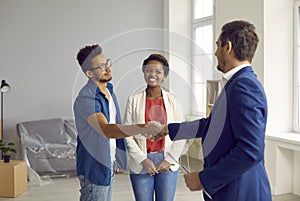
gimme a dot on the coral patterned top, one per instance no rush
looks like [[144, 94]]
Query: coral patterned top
[[155, 111]]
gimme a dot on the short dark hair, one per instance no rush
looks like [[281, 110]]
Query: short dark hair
[[86, 54], [243, 37], [159, 58]]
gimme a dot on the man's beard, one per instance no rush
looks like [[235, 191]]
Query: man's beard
[[219, 68], [105, 80], [221, 64]]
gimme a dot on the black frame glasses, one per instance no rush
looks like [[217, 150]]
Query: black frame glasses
[[103, 66]]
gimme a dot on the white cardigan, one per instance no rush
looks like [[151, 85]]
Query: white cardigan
[[136, 145]]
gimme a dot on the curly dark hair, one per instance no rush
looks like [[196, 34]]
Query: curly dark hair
[[159, 58], [86, 54], [243, 37]]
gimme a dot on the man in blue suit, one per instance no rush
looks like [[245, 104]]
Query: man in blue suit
[[234, 133]]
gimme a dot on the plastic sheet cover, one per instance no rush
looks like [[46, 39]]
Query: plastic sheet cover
[[49, 147]]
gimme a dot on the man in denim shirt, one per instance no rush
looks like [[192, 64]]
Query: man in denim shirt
[[97, 119]]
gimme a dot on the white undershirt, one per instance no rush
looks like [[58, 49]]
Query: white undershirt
[[112, 120]]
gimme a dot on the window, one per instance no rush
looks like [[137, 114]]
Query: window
[[202, 52], [203, 8], [297, 66]]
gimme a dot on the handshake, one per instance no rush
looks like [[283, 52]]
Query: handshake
[[155, 131]]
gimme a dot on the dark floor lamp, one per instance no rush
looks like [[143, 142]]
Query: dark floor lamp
[[4, 89]]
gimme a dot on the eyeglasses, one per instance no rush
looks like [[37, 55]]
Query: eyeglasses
[[103, 66]]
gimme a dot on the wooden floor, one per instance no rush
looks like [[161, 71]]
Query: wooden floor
[[66, 189]]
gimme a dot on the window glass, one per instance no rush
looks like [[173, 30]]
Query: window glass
[[203, 38], [203, 8], [203, 52], [199, 98]]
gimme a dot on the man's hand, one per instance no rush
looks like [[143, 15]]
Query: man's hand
[[160, 130], [164, 131], [193, 182], [149, 167], [163, 166], [152, 129]]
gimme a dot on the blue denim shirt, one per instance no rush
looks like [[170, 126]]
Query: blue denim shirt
[[93, 149]]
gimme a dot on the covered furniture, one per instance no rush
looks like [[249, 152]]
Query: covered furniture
[[49, 146]]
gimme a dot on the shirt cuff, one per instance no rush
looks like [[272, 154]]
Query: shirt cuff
[[206, 193]]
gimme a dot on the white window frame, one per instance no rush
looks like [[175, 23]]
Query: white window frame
[[201, 98], [296, 124]]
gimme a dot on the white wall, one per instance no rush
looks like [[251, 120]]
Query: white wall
[[40, 39], [278, 64], [252, 11]]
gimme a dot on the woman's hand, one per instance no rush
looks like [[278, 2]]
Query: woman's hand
[[149, 167], [163, 166]]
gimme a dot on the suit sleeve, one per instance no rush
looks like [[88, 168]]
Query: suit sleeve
[[187, 130], [247, 114]]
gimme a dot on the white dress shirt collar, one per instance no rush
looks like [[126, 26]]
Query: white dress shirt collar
[[227, 76]]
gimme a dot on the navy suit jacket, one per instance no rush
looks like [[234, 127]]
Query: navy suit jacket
[[233, 141]]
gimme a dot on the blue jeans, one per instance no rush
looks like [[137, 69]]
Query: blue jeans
[[92, 192], [163, 186]]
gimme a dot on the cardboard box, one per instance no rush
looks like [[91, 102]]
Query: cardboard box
[[13, 178]]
